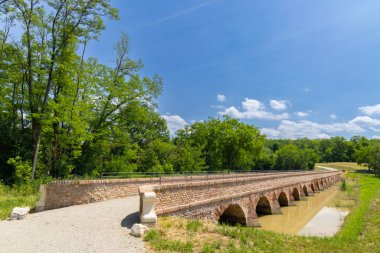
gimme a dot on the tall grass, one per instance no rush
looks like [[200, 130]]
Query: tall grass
[[343, 186], [17, 196]]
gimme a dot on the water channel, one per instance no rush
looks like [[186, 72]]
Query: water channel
[[315, 216]]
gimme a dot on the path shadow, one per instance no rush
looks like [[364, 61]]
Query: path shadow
[[130, 219]]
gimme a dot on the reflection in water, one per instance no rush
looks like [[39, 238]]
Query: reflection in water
[[326, 223], [310, 217]]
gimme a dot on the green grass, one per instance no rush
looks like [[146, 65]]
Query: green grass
[[194, 225], [359, 233], [159, 243], [13, 197]]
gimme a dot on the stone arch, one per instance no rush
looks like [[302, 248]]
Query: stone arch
[[283, 199], [296, 194], [304, 188], [233, 215], [312, 187], [263, 206]]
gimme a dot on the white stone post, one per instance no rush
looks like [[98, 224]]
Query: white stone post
[[40, 205], [148, 216]]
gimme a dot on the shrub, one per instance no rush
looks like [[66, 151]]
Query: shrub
[[343, 186]]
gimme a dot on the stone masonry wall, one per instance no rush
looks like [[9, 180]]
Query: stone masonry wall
[[65, 193], [174, 197]]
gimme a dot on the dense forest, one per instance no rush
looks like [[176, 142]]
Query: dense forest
[[63, 114]]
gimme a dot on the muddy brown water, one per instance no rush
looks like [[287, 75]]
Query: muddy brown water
[[315, 216]]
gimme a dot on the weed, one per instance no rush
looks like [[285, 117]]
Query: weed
[[194, 225], [343, 186]]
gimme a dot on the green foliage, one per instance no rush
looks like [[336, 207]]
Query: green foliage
[[23, 195], [151, 235], [343, 186], [369, 155], [22, 169], [266, 161], [226, 144], [290, 157]]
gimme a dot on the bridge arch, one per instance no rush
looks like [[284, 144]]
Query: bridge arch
[[296, 194], [304, 188], [283, 199], [312, 187], [263, 206], [233, 215]]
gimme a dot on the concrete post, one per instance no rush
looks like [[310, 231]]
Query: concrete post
[[40, 205], [147, 216]]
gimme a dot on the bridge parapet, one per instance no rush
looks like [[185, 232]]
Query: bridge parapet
[[212, 199]]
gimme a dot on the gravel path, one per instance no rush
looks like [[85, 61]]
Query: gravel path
[[326, 168], [97, 227]]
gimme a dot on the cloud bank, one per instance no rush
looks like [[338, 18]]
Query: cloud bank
[[252, 109]]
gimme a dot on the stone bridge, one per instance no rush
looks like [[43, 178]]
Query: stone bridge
[[232, 200]]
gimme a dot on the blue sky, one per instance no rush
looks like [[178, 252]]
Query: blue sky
[[292, 68]]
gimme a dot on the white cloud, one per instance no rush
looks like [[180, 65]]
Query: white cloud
[[221, 98], [375, 137], [174, 122], [333, 116], [365, 120], [253, 109], [374, 129], [305, 128], [302, 114], [278, 105], [370, 110]]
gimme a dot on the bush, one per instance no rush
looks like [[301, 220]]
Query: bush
[[23, 170], [343, 186]]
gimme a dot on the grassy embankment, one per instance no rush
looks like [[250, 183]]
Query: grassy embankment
[[12, 197], [360, 231]]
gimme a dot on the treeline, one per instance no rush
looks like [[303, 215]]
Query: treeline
[[64, 115], [336, 149]]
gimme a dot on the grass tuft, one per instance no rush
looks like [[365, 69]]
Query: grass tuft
[[194, 225]]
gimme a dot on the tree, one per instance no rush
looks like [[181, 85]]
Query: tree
[[374, 161], [369, 155], [289, 158], [69, 114], [52, 31], [310, 157], [226, 144], [266, 161]]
